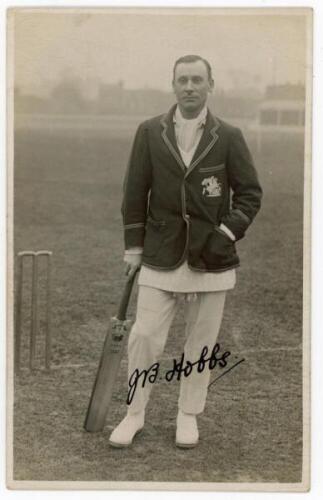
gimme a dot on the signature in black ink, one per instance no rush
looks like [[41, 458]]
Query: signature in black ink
[[181, 368]]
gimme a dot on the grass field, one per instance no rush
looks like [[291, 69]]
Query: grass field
[[67, 199]]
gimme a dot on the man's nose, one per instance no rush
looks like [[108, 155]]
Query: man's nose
[[189, 86]]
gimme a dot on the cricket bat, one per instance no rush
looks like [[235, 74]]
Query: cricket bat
[[109, 363]]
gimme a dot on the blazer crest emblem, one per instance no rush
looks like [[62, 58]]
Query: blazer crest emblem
[[211, 187]]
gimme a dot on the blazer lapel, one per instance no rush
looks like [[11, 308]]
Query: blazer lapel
[[168, 135], [208, 139]]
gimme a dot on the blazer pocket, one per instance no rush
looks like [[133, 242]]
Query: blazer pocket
[[217, 228], [214, 168], [154, 236], [154, 222], [219, 249]]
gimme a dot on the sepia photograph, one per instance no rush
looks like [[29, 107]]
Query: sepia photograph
[[159, 173]]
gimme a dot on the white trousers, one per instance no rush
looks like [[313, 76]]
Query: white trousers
[[155, 312]]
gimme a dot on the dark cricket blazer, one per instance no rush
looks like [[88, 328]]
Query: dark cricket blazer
[[174, 212]]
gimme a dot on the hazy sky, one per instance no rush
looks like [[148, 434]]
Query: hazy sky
[[141, 49]]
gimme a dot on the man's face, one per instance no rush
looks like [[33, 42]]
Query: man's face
[[191, 85]]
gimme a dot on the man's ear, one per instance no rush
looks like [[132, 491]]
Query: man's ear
[[211, 85]]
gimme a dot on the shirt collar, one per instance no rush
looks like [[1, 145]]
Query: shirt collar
[[200, 119]]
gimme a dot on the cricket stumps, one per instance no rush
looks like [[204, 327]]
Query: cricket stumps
[[34, 256]]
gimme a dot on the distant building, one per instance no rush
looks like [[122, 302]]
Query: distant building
[[282, 110]]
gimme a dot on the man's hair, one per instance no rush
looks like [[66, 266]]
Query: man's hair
[[193, 58]]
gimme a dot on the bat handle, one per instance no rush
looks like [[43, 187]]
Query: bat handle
[[124, 302]]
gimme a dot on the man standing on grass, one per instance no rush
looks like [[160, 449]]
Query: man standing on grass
[[181, 224]]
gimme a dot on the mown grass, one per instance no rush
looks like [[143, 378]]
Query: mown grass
[[67, 199]]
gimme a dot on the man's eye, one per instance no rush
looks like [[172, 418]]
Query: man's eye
[[182, 80], [197, 80]]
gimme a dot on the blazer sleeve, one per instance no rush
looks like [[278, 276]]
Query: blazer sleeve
[[136, 187], [243, 179]]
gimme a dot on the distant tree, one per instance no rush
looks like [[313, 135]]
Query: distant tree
[[67, 96]]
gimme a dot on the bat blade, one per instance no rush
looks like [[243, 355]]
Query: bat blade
[[106, 375], [110, 362]]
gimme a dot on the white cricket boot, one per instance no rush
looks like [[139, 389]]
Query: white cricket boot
[[124, 433], [187, 434]]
